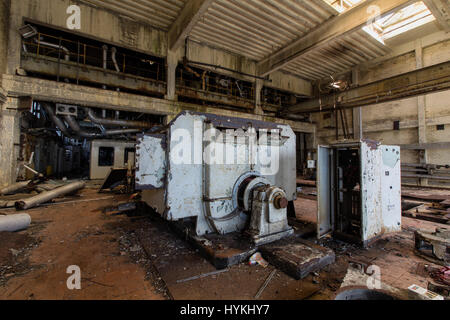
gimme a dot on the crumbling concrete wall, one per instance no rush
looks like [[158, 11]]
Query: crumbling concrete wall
[[95, 22], [4, 23], [9, 141], [378, 120], [107, 26], [277, 80]]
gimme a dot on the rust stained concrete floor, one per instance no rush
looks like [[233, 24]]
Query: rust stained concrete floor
[[394, 254], [141, 258], [75, 234]]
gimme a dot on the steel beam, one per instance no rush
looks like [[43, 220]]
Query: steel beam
[[414, 83]]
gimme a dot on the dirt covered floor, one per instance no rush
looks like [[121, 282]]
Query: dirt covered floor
[[139, 257]]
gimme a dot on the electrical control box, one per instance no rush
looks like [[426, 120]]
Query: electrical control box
[[359, 190]]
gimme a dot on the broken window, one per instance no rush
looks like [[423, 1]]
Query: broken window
[[408, 18], [129, 155], [343, 5], [105, 156]]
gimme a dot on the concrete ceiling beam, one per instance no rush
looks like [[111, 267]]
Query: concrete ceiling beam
[[187, 19], [334, 28]]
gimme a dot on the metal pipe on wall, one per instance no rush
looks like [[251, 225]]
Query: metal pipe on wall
[[113, 57], [73, 124], [118, 122], [54, 46], [105, 57], [57, 121]]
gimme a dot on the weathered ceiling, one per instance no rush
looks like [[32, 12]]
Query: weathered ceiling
[[258, 29], [158, 13]]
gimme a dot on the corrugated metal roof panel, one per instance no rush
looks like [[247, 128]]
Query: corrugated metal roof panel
[[257, 28], [159, 13], [337, 56]]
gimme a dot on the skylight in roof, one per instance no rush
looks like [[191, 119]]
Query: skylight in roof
[[403, 20], [343, 5]]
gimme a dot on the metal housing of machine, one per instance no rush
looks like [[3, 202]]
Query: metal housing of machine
[[359, 190], [211, 168]]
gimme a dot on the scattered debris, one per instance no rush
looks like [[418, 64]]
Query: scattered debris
[[121, 208], [203, 275], [258, 259], [441, 275], [119, 177], [266, 283], [433, 245], [297, 257], [14, 222], [418, 293], [14, 188], [49, 195]]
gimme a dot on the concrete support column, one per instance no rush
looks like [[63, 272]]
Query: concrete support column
[[258, 103], [14, 37], [4, 29], [421, 112], [9, 140], [357, 112], [172, 63]]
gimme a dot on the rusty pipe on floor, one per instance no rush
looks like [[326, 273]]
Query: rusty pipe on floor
[[117, 122], [49, 195], [73, 124], [14, 187], [14, 222]]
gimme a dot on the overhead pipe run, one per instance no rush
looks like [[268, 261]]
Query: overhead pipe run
[[117, 122], [57, 121], [132, 125], [114, 59], [73, 124], [54, 46]]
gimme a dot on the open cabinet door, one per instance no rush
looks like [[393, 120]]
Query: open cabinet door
[[325, 197]]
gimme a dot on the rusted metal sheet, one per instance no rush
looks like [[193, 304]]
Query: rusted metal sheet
[[296, 257]]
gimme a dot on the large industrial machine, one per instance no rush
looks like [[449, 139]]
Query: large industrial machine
[[226, 174], [359, 190]]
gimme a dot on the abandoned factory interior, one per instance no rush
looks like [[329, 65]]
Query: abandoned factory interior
[[224, 150]]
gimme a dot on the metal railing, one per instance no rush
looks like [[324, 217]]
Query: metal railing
[[85, 54]]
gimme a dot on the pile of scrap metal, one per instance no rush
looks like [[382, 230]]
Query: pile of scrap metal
[[120, 180], [433, 205], [36, 193], [434, 246]]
